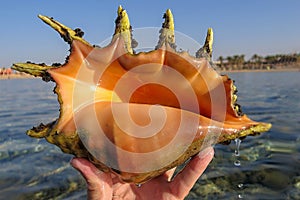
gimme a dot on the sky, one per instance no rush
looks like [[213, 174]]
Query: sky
[[263, 27]]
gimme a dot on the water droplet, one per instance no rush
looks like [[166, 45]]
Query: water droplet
[[240, 196], [237, 143], [236, 153], [237, 163], [38, 148], [241, 185], [138, 185]]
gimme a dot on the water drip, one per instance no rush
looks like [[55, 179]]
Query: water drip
[[237, 151], [240, 186], [237, 163], [238, 144]]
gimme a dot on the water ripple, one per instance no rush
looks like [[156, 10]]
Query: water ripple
[[34, 169]]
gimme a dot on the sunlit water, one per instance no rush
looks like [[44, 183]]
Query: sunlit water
[[269, 164]]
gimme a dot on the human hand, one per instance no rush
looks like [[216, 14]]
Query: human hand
[[107, 186]]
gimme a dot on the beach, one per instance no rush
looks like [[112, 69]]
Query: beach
[[16, 76], [260, 70]]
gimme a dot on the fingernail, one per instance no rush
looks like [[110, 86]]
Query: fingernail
[[205, 152], [72, 161]]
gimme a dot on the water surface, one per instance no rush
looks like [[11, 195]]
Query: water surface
[[269, 164]]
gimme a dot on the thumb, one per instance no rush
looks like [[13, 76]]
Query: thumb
[[99, 184]]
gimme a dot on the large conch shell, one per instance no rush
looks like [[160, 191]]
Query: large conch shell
[[139, 114]]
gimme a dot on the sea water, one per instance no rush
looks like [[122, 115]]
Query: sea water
[[31, 168]]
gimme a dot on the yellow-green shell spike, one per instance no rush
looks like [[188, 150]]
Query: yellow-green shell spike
[[169, 20], [206, 50], [123, 28], [66, 33], [122, 21], [41, 69], [209, 41], [34, 69], [167, 35]]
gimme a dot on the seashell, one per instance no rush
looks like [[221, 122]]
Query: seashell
[[139, 114]]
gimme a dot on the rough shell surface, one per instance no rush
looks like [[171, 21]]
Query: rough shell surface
[[122, 92]]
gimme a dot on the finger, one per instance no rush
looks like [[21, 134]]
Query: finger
[[186, 179], [99, 184]]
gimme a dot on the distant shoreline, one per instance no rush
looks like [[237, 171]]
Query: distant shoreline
[[260, 70], [25, 76], [16, 76]]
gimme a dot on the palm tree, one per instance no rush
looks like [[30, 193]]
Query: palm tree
[[257, 60], [221, 59], [229, 62], [235, 61]]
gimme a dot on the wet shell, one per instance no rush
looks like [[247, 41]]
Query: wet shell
[[139, 114]]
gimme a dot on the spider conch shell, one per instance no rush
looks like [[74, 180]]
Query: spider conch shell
[[139, 114]]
